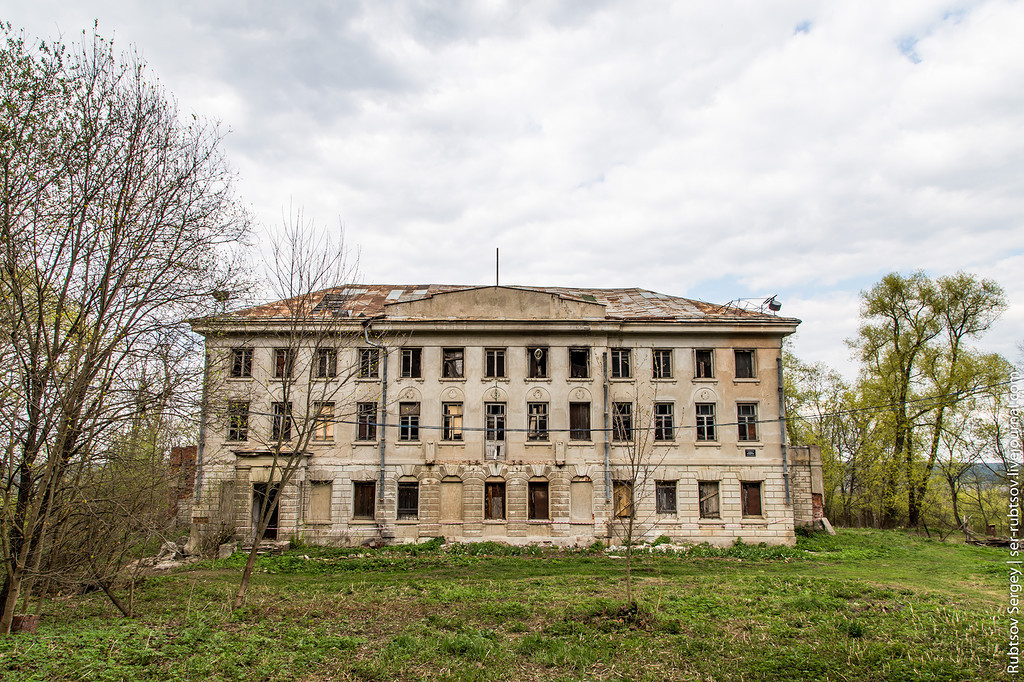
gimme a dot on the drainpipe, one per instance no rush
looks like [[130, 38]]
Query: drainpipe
[[782, 426], [607, 456], [384, 406]]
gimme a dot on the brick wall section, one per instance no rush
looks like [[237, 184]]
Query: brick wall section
[[806, 480]]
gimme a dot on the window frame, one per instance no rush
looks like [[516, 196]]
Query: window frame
[[408, 512], [533, 489], [574, 431], [703, 369], [746, 424], [494, 491], [451, 424], [495, 365], [745, 487], [325, 363], [537, 422], [281, 421], [574, 366], [662, 497], [369, 363], [664, 423], [537, 368], [702, 511], [500, 422], [622, 422], [621, 363], [238, 420], [284, 363], [241, 362], [363, 491], [366, 422], [323, 420], [661, 368], [412, 363], [707, 429], [409, 422], [455, 359], [752, 356], [313, 485]]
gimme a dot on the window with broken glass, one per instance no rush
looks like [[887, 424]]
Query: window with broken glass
[[579, 363], [325, 363], [537, 415], [284, 361], [706, 421], [661, 363], [664, 421], [369, 359], [408, 500], [323, 423], [366, 421], [451, 417], [537, 359], [495, 426], [494, 500], [621, 363], [622, 422], [452, 363], [746, 420], [409, 421], [238, 420], [241, 363], [411, 363], [703, 362], [281, 423], [707, 492], [494, 363], [744, 364], [665, 496], [579, 421]]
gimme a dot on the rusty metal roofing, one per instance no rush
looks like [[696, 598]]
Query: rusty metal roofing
[[370, 300]]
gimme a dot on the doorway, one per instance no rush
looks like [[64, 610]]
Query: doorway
[[259, 494]]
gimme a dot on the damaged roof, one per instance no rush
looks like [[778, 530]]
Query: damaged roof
[[371, 301]]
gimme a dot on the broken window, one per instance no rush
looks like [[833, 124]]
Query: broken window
[[537, 414], [408, 500], [363, 499], [537, 507], [750, 497], [281, 424], [664, 421], [538, 361], [579, 363], [494, 363], [408, 421], [706, 421], [320, 501], [452, 363], [325, 363], [746, 419], [494, 500], [241, 362], [323, 422], [661, 363], [369, 359], [451, 417], [238, 420], [622, 422], [745, 364], [366, 421], [579, 421], [665, 496], [707, 491], [622, 494], [495, 414], [284, 361], [620, 363], [704, 364], [411, 363]]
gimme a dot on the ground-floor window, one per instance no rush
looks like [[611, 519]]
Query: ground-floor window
[[363, 499], [622, 494], [320, 501], [708, 493], [494, 500], [665, 496], [750, 494], [408, 500], [538, 502]]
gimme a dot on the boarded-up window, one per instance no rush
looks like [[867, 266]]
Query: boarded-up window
[[227, 502], [751, 498], [622, 495], [708, 493], [665, 494], [538, 502], [451, 499], [363, 499], [320, 501], [451, 414], [494, 500], [408, 500], [579, 421], [581, 500]]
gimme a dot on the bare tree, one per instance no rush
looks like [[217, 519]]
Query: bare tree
[[117, 222]]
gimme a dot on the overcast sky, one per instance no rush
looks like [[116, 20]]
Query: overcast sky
[[712, 150]]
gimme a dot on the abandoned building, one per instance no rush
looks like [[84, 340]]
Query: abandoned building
[[519, 414]]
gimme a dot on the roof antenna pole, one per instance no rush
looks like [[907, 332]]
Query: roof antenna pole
[[495, 266]]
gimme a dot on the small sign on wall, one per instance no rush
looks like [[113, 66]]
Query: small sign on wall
[[750, 452]]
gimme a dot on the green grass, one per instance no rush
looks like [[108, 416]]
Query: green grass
[[864, 605]]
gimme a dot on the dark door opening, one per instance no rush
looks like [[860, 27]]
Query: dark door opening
[[259, 494]]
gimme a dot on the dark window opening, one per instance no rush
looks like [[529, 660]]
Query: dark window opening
[[238, 420], [579, 363], [408, 500], [452, 421], [665, 496], [706, 421], [495, 363], [537, 414], [284, 361], [704, 364], [325, 364], [494, 500], [622, 422], [366, 421], [408, 421], [241, 362], [620, 363], [538, 360], [369, 360], [744, 364], [495, 427], [746, 419], [452, 365], [538, 500], [664, 421], [750, 494], [411, 359], [363, 499], [661, 367], [281, 426], [579, 421]]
